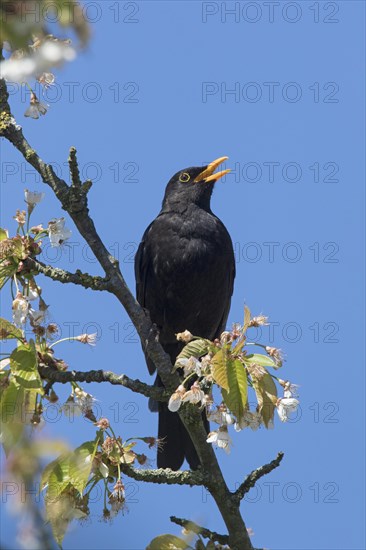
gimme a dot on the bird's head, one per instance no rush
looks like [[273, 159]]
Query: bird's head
[[193, 185]]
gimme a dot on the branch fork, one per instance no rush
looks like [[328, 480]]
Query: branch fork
[[74, 200]]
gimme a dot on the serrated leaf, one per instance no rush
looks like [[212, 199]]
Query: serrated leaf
[[266, 392], [259, 359], [219, 368], [167, 542], [236, 397], [23, 365], [195, 348], [62, 476], [60, 513], [14, 332], [54, 515]]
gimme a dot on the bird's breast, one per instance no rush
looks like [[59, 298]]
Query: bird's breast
[[181, 250], [189, 280]]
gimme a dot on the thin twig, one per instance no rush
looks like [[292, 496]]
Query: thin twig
[[99, 376], [93, 282], [203, 531], [253, 477], [74, 168]]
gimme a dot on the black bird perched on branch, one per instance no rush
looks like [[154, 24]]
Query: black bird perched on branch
[[185, 270]]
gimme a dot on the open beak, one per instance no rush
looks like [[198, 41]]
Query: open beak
[[208, 173]]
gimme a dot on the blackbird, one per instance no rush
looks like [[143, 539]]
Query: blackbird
[[185, 270]]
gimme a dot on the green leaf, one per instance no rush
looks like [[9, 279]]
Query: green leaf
[[23, 364], [266, 392], [58, 478], [16, 404], [68, 472], [11, 404], [3, 234], [259, 359], [19, 249], [166, 542], [79, 469], [236, 397], [219, 367], [128, 446], [4, 379], [16, 408], [195, 348], [11, 434], [241, 340], [69, 469], [60, 512], [247, 317], [13, 331], [55, 476]]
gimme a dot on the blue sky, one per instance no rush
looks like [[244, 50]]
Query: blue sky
[[168, 85]]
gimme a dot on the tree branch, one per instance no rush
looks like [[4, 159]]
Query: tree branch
[[253, 477], [166, 476], [74, 200], [75, 172], [74, 168], [228, 505], [93, 282], [206, 533], [98, 376]]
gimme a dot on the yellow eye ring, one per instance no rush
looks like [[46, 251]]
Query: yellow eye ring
[[184, 177]]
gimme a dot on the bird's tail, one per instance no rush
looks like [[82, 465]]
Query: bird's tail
[[176, 444]]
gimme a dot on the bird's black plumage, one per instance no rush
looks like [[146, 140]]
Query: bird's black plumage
[[185, 270]]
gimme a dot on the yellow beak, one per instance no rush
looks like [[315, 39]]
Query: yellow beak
[[208, 173]]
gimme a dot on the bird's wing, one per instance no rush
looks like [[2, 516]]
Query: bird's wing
[[229, 288], [222, 325], [142, 268]]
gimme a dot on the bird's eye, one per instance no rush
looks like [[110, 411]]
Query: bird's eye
[[184, 177]]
